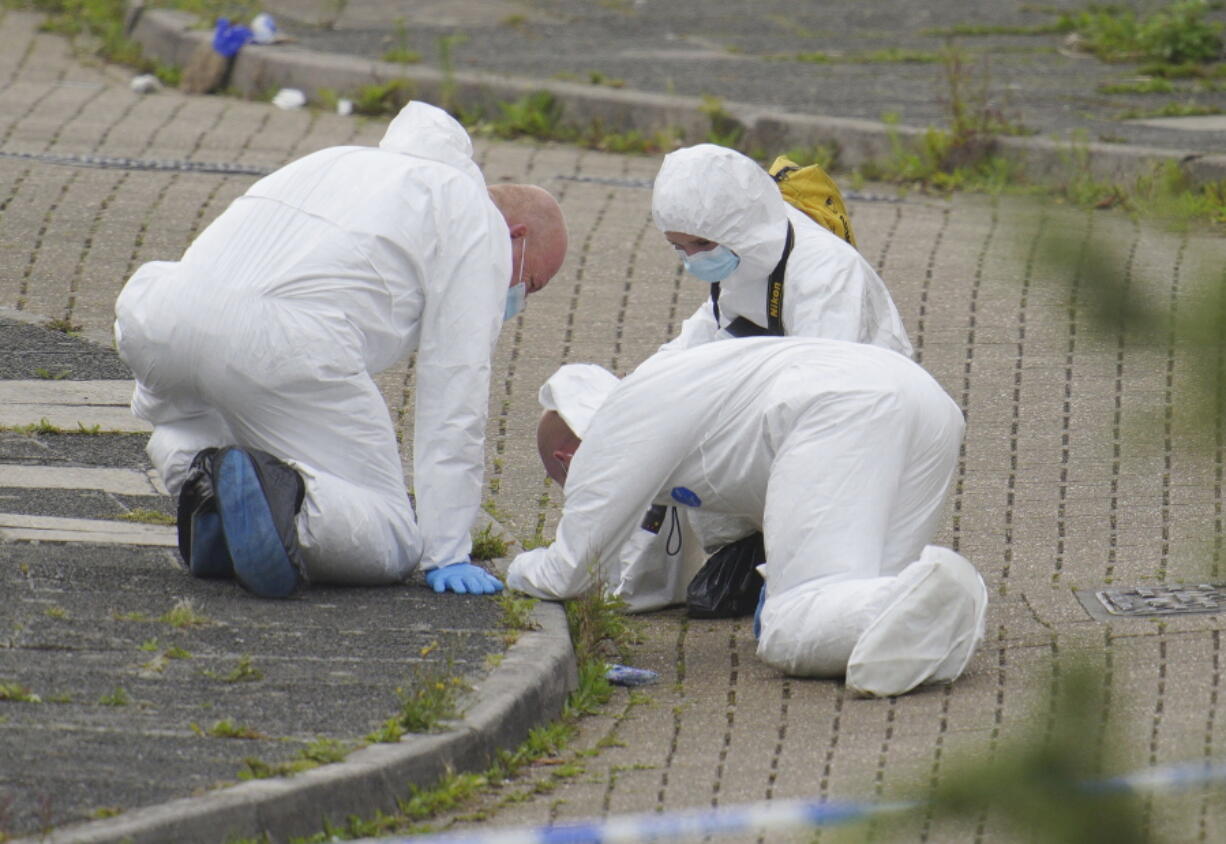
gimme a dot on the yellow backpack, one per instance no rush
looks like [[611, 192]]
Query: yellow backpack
[[813, 191]]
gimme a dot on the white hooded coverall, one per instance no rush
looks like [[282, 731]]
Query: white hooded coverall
[[829, 291], [267, 331], [841, 453]]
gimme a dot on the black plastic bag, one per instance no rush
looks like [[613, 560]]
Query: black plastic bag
[[728, 584]]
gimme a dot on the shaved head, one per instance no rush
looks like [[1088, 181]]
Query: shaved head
[[533, 214], [556, 443]]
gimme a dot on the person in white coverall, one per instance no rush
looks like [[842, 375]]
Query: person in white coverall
[[265, 334], [725, 216], [842, 453], [733, 229]]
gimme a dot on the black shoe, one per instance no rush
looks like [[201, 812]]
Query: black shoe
[[201, 541]]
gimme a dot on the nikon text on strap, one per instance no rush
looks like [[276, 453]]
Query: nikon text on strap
[[742, 327]]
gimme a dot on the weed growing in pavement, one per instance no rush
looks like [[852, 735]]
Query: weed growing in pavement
[[226, 728], [118, 697], [446, 62], [1171, 110], [18, 693], [431, 700], [48, 375], [56, 612], [148, 517], [1140, 86], [184, 614], [598, 627], [1174, 34], [244, 672], [320, 752], [516, 610], [487, 545], [1163, 193], [725, 129], [385, 98], [400, 53], [42, 426], [1183, 70]]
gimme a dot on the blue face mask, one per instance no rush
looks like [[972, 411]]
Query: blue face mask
[[712, 265], [517, 295]]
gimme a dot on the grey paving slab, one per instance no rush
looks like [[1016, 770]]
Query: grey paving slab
[[1079, 470]]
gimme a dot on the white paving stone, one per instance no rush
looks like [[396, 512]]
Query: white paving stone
[[69, 405], [119, 481], [16, 527]]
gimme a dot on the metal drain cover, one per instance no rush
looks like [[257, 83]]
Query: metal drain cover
[[1132, 601]]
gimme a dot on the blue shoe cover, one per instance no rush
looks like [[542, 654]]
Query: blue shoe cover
[[209, 557], [261, 563]]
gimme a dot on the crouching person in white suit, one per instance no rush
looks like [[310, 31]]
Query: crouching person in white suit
[[841, 452], [254, 355]]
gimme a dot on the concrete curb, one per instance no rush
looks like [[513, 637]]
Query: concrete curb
[[527, 688], [169, 37]]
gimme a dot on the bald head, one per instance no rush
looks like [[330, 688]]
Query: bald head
[[556, 443], [535, 219]]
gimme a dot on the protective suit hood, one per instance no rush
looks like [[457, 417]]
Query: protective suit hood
[[719, 194], [576, 391], [427, 131]]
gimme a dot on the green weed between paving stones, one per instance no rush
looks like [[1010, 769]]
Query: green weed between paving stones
[[400, 52], [244, 672], [225, 728], [487, 545], [184, 614], [148, 517], [598, 629], [44, 426], [319, 752], [48, 375], [1176, 33], [430, 701]]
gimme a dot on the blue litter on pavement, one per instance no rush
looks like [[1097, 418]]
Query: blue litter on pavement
[[772, 815], [624, 675]]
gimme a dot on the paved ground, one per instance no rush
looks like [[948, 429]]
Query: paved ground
[[756, 54], [1083, 468]]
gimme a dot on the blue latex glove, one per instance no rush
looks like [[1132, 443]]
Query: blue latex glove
[[757, 614], [229, 39], [463, 578]]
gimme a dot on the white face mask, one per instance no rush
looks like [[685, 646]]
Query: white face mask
[[517, 295]]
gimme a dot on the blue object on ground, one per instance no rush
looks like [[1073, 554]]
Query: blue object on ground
[[463, 578], [210, 557], [261, 563], [624, 675], [229, 38]]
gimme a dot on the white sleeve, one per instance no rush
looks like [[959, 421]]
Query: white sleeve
[[459, 329], [832, 292], [698, 329], [624, 461]]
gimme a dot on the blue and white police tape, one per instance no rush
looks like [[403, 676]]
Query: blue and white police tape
[[774, 815]]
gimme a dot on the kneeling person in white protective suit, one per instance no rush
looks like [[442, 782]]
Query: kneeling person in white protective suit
[[841, 453], [253, 356], [771, 270]]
